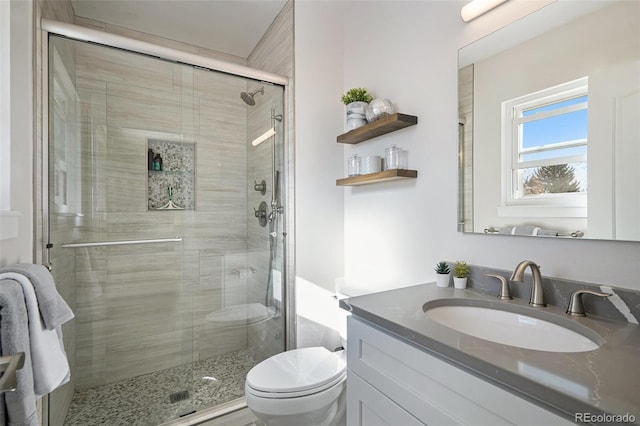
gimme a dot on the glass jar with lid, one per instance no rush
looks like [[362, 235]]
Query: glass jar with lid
[[392, 158], [353, 165]]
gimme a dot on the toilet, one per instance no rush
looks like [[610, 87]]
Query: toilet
[[304, 386]]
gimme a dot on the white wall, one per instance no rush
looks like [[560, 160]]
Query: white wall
[[20, 249], [403, 51], [319, 118], [395, 232]]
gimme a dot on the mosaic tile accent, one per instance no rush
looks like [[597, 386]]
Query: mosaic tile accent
[[145, 400], [178, 171]]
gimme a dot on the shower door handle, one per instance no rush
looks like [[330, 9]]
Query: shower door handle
[[9, 365]]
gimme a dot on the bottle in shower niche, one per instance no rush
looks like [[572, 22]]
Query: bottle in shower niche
[[150, 156], [157, 162]]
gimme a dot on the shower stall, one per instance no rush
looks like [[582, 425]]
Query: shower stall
[[156, 234]]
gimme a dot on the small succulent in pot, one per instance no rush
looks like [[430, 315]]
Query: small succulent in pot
[[442, 268], [460, 269], [357, 94]]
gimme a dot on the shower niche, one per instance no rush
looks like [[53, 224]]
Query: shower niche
[[171, 174]]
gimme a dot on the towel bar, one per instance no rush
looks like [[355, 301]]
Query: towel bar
[[575, 234], [8, 366], [122, 242]]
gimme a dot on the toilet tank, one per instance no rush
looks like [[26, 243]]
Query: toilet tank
[[320, 320]]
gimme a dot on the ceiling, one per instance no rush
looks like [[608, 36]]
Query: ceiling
[[229, 26]]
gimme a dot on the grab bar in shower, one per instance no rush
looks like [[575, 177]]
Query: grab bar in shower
[[122, 242]]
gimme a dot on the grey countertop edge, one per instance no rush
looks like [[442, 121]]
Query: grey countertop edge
[[544, 396]]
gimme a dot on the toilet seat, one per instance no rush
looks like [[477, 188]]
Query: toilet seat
[[296, 373], [297, 394]]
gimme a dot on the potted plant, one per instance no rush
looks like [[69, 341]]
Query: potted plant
[[460, 274], [357, 100], [442, 274]]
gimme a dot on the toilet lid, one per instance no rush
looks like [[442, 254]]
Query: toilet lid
[[240, 314], [296, 371]]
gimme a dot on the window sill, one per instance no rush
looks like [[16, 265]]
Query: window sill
[[9, 224], [542, 211]]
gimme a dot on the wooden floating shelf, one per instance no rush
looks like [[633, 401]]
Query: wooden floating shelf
[[385, 176], [380, 127]]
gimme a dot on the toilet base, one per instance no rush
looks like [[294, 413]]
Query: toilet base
[[333, 414], [299, 421], [329, 418]]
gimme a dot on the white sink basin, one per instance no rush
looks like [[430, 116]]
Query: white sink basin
[[510, 328]]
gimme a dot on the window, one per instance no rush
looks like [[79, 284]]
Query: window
[[545, 148]]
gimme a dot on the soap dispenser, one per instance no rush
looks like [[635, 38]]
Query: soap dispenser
[[157, 162]]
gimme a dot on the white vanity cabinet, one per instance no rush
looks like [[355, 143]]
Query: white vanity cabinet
[[390, 382]]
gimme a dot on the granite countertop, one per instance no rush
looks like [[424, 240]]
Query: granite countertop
[[605, 381]]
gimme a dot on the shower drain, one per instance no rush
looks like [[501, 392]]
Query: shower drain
[[179, 396]]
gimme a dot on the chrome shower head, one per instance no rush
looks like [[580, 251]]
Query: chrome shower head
[[248, 97]]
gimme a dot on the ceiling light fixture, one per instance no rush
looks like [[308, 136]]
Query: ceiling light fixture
[[476, 8]]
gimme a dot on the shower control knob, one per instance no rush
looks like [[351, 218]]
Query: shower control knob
[[261, 213], [260, 187]]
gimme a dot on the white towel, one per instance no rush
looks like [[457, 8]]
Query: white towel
[[525, 230], [53, 308], [17, 408], [48, 358], [505, 229]]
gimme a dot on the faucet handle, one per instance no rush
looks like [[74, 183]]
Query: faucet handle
[[576, 308], [504, 292]]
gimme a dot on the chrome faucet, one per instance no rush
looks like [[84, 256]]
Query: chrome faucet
[[536, 298], [576, 308]]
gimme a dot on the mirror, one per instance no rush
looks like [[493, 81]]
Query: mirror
[[549, 129]]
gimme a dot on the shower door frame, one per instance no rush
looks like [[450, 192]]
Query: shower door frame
[[41, 178]]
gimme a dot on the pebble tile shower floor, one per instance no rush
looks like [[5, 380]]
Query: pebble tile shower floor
[[146, 400]]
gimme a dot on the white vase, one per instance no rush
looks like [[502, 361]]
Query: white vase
[[460, 282], [442, 280], [356, 115]]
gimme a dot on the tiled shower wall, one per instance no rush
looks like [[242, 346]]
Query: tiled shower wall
[[141, 308], [274, 53], [259, 241]]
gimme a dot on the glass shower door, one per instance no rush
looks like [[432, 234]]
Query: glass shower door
[[118, 257], [177, 289]]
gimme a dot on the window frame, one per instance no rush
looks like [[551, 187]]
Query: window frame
[[544, 205]]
